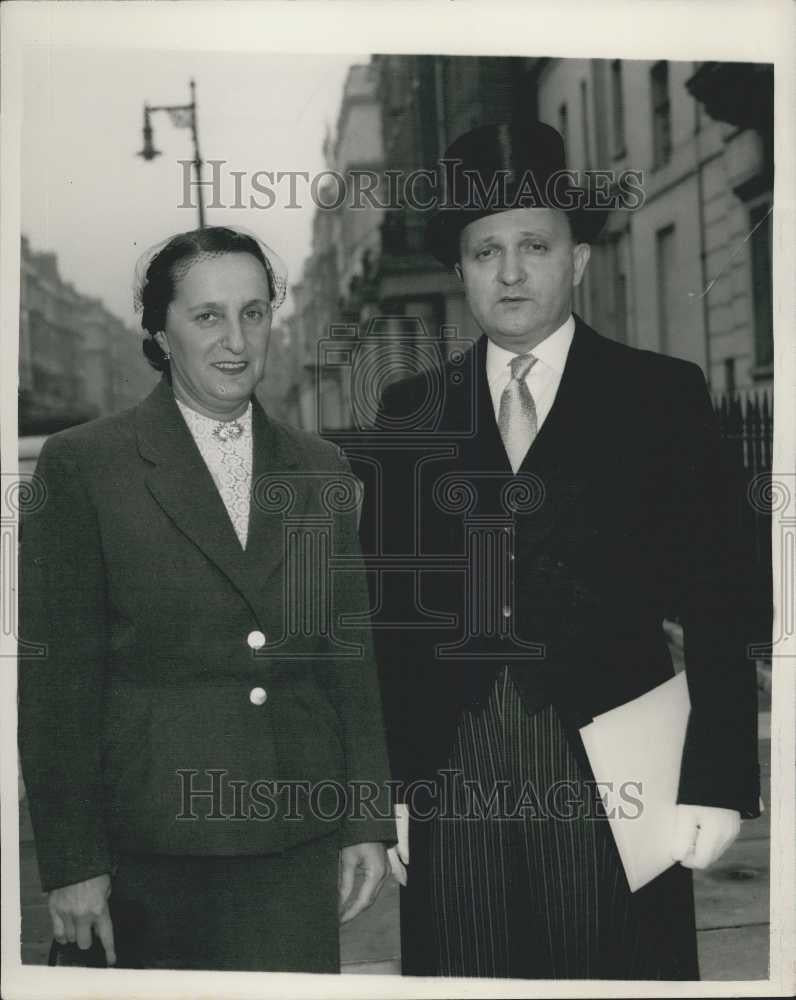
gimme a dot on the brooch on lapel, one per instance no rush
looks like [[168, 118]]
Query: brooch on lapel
[[227, 430]]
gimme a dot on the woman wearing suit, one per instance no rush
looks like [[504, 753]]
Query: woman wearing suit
[[195, 731]]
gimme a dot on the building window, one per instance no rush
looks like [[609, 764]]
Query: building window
[[665, 261], [617, 108], [584, 124], [661, 114], [729, 375], [563, 125], [761, 254]]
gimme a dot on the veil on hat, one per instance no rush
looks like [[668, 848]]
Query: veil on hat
[[275, 266]]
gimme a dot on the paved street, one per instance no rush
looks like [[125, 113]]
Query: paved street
[[732, 906]]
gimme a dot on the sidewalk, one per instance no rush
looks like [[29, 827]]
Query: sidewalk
[[732, 897]]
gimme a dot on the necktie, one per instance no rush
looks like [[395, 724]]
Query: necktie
[[517, 415]]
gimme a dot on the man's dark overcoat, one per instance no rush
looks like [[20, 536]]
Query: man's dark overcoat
[[622, 514]]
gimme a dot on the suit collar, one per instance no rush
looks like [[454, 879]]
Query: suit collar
[[562, 456], [202, 426], [565, 438], [276, 460], [163, 436], [181, 483], [552, 352]]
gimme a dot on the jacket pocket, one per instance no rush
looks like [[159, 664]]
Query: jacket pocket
[[176, 763], [201, 768]]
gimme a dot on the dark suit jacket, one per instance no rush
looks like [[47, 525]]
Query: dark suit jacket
[[134, 580], [621, 515]]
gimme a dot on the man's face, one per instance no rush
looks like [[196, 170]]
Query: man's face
[[519, 268]]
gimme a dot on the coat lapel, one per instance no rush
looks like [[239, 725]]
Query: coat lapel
[[279, 494], [563, 455], [482, 450], [564, 445], [182, 485], [563, 458]]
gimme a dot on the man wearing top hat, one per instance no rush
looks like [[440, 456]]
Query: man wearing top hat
[[598, 470]]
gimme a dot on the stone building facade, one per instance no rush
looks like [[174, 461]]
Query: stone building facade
[[345, 242], [688, 273], [77, 360]]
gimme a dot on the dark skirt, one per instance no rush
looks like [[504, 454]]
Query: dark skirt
[[276, 913]]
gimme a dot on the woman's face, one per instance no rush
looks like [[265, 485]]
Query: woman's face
[[217, 330]]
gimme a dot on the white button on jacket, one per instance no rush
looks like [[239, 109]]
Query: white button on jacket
[[258, 696], [256, 639]]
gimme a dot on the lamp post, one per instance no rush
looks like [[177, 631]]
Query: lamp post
[[182, 116]]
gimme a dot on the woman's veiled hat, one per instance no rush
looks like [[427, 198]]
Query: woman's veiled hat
[[498, 167], [161, 266], [275, 266]]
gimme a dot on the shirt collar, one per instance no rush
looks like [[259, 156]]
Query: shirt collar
[[199, 422], [552, 352]]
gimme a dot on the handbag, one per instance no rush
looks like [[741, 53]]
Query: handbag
[[70, 954]]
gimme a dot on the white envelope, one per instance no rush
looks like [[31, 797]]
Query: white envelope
[[635, 752]]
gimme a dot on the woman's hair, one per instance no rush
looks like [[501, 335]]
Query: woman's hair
[[158, 281]]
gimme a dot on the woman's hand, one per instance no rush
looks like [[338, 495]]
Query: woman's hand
[[372, 859], [399, 855], [77, 910]]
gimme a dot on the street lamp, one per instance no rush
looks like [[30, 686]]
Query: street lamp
[[182, 116]]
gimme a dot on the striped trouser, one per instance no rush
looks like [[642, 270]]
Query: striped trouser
[[541, 894]]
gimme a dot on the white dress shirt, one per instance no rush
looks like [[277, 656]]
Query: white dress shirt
[[542, 380], [229, 463]]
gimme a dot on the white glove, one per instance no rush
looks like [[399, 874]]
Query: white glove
[[399, 855], [703, 833]]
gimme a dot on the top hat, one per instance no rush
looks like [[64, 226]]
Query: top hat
[[494, 168]]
